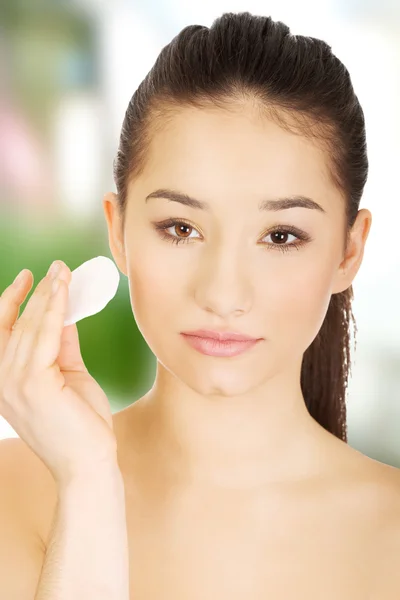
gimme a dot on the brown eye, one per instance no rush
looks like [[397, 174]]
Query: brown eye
[[183, 229], [279, 237], [180, 232]]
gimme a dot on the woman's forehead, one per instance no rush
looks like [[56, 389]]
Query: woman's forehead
[[217, 144]]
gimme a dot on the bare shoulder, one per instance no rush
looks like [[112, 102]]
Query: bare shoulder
[[386, 487], [383, 482], [375, 500], [374, 485], [30, 484]]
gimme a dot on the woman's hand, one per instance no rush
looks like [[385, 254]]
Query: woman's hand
[[46, 392]]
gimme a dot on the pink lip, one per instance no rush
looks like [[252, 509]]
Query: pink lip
[[215, 347], [221, 336]]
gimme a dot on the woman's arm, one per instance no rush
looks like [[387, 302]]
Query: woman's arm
[[87, 555]]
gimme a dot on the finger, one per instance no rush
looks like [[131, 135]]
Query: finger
[[10, 303], [48, 340], [41, 351], [31, 321], [24, 332]]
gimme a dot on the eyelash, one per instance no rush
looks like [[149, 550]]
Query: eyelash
[[301, 235]]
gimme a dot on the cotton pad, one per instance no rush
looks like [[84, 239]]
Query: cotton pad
[[93, 284]]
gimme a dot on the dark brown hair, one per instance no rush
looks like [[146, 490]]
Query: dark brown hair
[[245, 59]]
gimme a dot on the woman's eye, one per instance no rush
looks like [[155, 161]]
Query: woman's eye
[[280, 235], [175, 231], [179, 232]]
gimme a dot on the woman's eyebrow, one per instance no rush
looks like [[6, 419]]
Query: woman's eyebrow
[[271, 205]]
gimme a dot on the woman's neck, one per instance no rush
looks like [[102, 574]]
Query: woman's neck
[[241, 441]]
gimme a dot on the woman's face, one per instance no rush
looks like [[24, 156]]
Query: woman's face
[[228, 270]]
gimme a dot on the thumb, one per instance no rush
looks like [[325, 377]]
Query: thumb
[[70, 357]]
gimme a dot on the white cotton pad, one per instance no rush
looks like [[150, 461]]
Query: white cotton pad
[[91, 288]]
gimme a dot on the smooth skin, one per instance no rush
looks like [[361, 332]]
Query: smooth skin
[[232, 422], [67, 440], [227, 461], [232, 489], [46, 392]]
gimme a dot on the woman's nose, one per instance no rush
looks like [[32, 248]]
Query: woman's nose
[[223, 288]]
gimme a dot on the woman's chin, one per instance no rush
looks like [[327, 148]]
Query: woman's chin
[[228, 384], [212, 376]]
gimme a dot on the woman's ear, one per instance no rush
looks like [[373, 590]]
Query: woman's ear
[[115, 232], [352, 260]]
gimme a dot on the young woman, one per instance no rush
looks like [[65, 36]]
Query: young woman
[[240, 169]]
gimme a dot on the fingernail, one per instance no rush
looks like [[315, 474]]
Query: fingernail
[[19, 278], [54, 270]]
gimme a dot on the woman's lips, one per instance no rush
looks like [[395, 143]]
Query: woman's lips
[[222, 336], [214, 347]]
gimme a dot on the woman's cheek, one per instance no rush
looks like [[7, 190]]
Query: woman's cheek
[[312, 304], [296, 304], [153, 290]]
